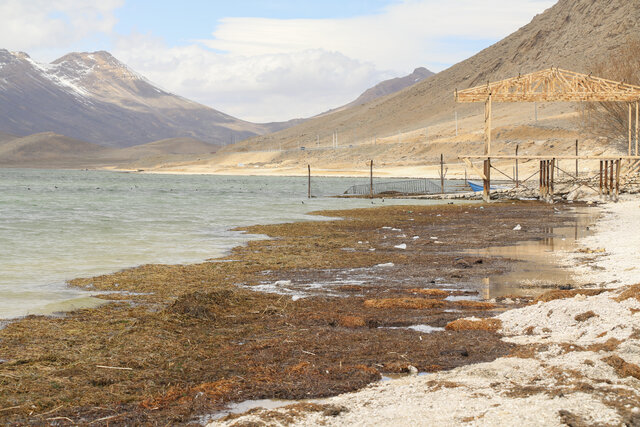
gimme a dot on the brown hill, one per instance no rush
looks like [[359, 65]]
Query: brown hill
[[573, 34], [47, 149], [166, 147], [51, 150], [4, 137]]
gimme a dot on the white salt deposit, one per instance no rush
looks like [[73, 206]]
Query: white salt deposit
[[385, 265], [617, 231]]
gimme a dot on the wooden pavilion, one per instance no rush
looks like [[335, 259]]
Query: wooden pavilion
[[555, 85]]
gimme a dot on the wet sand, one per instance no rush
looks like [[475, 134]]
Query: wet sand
[[356, 298]]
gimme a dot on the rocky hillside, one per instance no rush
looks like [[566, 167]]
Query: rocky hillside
[[573, 34], [96, 98], [391, 86]]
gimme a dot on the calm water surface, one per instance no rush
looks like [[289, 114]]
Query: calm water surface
[[59, 225]]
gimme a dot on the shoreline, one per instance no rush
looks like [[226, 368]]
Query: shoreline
[[579, 363], [194, 300]]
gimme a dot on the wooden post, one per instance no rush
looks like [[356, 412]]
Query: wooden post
[[441, 173], [516, 174], [606, 177], [486, 192], [630, 121], [371, 179], [546, 178], [553, 167], [611, 178], [618, 163], [541, 179], [637, 118], [576, 158], [601, 166], [487, 126], [309, 182]]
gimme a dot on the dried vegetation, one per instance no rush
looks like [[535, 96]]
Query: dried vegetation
[[186, 340], [611, 119]]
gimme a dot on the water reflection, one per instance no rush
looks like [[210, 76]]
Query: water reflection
[[537, 265]]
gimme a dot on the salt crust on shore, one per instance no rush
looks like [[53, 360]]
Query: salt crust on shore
[[563, 374], [617, 232]]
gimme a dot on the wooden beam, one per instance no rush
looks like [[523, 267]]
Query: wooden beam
[[487, 126], [551, 175], [475, 169], [630, 121], [637, 118], [618, 162], [486, 188]]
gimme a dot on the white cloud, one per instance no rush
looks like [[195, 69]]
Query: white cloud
[[273, 69], [37, 25], [402, 36], [263, 87]]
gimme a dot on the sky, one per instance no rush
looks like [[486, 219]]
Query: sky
[[266, 60]]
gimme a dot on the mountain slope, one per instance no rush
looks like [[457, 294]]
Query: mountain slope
[[573, 34], [391, 86], [96, 98], [166, 147], [46, 148], [4, 137]]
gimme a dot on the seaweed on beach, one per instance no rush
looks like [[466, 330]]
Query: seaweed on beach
[[188, 339]]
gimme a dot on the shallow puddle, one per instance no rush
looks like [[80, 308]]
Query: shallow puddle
[[539, 265]]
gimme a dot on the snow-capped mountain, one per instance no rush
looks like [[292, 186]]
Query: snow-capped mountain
[[96, 98]]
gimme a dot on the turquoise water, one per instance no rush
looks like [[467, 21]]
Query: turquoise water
[[59, 225]]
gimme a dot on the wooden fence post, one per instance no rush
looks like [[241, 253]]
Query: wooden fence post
[[486, 192], [576, 158], [601, 167], [308, 181], [618, 163], [516, 174], [371, 180], [611, 179], [553, 167], [441, 173]]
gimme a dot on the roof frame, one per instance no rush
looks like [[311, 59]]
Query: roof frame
[[552, 85]]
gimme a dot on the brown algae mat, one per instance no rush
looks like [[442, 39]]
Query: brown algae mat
[[179, 342]]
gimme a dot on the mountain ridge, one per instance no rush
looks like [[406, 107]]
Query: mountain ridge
[[92, 96]]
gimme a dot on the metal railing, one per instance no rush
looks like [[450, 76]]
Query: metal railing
[[414, 186]]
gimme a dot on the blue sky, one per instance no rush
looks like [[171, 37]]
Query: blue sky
[[177, 22], [266, 60]]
